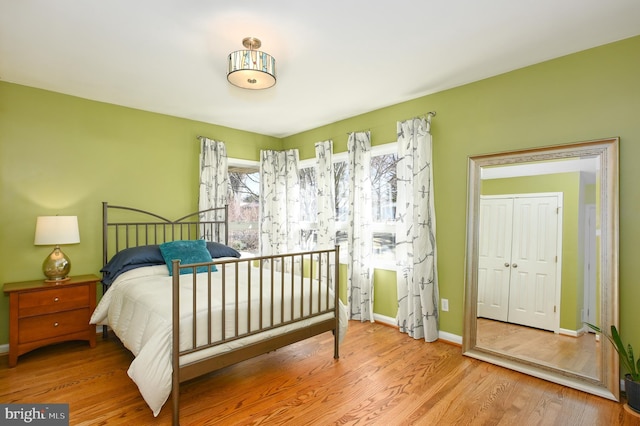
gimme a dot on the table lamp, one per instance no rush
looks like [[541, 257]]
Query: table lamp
[[55, 231]]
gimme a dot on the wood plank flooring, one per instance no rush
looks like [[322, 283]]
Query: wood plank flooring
[[580, 355], [383, 377]]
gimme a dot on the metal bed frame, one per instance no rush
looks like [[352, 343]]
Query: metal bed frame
[[314, 266], [141, 228]]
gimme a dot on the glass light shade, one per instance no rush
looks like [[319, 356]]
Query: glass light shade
[[251, 69], [56, 230]]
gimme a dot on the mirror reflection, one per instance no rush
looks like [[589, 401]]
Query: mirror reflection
[[537, 262], [542, 261]]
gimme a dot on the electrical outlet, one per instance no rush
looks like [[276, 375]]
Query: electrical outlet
[[445, 305]]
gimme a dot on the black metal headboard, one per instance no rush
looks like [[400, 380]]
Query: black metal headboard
[[135, 227]]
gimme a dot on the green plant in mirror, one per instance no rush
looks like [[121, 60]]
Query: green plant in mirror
[[626, 354]]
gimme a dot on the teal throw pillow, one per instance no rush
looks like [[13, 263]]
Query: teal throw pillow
[[188, 252]]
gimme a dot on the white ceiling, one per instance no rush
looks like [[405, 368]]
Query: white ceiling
[[335, 58]]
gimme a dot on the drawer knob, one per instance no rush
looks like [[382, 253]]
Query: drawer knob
[[55, 324], [56, 299]]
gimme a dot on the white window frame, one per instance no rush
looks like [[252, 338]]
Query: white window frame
[[239, 162]]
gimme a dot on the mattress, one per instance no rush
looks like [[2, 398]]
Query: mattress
[[138, 308]]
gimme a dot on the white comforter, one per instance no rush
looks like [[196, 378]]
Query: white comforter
[[138, 309]]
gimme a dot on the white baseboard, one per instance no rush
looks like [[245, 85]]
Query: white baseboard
[[385, 320], [571, 333], [450, 337], [442, 335]]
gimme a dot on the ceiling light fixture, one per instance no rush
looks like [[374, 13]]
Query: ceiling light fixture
[[251, 69]]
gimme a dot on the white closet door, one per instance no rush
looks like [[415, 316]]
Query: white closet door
[[494, 257], [533, 262]]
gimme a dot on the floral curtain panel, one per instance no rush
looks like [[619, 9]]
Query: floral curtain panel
[[416, 232], [360, 236], [279, 202], [214, 182]]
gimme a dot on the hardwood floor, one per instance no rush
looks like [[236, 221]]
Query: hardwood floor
[[580, 355], [383, 377]]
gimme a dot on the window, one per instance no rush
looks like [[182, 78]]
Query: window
[[308, 189], [308, 206], [341, 177], [383, 203], [244, 205], [384, 189]]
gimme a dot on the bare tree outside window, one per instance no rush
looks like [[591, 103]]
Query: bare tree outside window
[[244, 208], [308, 188], [341, 178], [308, 201], [309, 208], [244, 205], [384, 194], [384, 187]]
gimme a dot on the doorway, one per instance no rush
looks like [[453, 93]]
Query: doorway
[[520, 239]]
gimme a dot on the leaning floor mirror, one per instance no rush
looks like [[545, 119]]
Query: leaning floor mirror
[[542, 259]]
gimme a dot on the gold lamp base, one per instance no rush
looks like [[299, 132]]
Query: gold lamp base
[[56, 266]]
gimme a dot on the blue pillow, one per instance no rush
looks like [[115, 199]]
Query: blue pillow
[[220, 250], [188, 252], [131, 258]]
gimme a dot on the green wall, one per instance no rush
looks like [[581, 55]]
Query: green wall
[[132, 157], [588, 95], [65, 155]]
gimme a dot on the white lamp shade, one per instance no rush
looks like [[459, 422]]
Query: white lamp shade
[[56, 230]]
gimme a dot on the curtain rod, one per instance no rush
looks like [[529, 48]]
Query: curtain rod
[[360, 131], [430, 113]]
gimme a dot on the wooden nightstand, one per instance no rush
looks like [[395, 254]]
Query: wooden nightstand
[[42, 313]]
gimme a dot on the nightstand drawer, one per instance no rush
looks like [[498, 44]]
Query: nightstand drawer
[[42, 313], [55, 299], [53, 325]]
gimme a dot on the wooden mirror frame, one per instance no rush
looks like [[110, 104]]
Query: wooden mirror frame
[[608, 384]]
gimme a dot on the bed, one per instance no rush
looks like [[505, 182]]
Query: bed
[[186, 304]]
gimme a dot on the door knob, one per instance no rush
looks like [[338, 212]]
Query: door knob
[[506, 264], [515, 265]]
